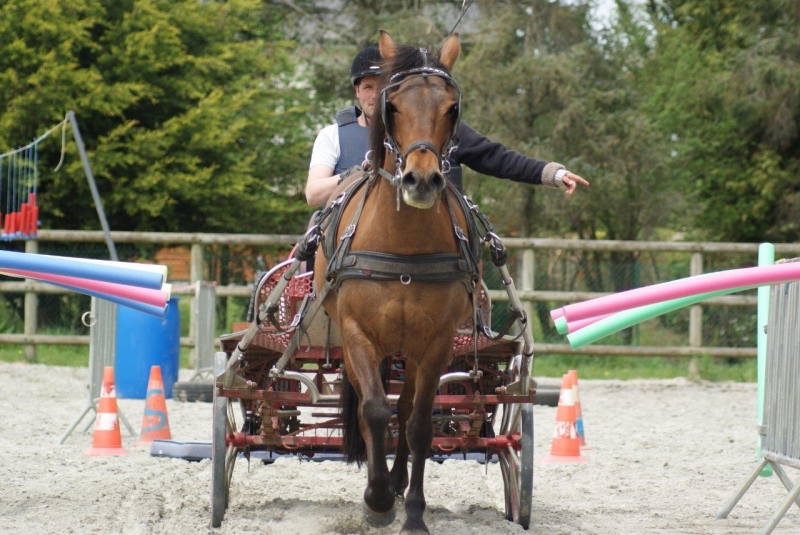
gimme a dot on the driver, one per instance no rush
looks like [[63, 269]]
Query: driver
[[344, 144]]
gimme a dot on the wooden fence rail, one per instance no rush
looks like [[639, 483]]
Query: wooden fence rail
[[524, 247]]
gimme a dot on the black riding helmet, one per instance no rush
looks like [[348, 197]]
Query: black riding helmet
[[366, 63]]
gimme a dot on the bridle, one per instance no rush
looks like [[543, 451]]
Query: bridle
[[390, 143]]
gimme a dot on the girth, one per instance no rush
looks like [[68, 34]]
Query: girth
[[445, 267]]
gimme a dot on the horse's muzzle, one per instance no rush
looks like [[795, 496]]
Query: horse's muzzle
[[420, 192]]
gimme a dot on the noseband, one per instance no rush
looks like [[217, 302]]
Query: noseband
[[390, 143]]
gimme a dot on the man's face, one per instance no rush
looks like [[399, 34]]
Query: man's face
[[367, 94]]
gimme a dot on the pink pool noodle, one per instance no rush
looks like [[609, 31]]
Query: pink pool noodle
[[699, 284], [142, 295], [573, 326]]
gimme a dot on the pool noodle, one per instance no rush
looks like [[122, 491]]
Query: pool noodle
[[699, 284], [82, 270], [580, 324], [150, 268], [156, 298], [564, 328], [135, 305], [628, 318]]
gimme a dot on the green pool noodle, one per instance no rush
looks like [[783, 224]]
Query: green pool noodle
[[628, 318], [561, 325]]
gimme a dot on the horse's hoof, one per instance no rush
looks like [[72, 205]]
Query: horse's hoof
[[375, 519], [414, 527]]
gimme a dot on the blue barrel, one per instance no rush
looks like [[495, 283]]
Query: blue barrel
[[144, 341]]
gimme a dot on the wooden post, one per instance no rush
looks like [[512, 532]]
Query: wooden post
[[195, 275], [196, 269], [695, 315], [696, 311], [31, 308]]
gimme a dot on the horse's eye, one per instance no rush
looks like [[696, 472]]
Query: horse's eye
[[453, 110], [390, 108]]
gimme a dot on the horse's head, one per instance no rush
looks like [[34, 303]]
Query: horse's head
[[420, 112]]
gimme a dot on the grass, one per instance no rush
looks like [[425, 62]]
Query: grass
[[58, 355], [590, 367], [52, 355], [594, 367]]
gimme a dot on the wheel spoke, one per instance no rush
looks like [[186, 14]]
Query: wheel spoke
[[511, 484]]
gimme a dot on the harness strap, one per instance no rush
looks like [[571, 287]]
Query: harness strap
[[333, 214], [514, 315], [336, 261], [391, 267], [469, 209], [422, 146]]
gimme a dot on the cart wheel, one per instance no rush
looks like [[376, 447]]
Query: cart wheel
[[517, 466], [223, 457]]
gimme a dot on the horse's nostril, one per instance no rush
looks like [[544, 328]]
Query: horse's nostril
[[410, 180], [438, 181]]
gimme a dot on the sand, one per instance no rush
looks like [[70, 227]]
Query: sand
[[664, 456]]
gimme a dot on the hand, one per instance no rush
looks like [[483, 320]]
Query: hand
[[571, 181]]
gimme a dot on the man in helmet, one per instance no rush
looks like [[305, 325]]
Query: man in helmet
[[344, 144], [340, 146]]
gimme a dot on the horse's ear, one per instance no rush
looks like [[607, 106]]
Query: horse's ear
[[387, 47], [450, 51]]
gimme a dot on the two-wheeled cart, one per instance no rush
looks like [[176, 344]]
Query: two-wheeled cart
[[285, 370]]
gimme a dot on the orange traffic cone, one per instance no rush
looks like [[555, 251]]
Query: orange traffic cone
[[107, 439], [155, 424], [565, 447], [578, 411]]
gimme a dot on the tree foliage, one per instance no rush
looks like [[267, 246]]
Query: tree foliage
[[725, 85], [191, 112], [684, 114]]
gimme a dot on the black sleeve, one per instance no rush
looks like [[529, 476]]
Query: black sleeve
[[488, 157]]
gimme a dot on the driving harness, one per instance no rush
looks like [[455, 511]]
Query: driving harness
[[344, 263]]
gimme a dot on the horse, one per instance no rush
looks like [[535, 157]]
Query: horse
[[395, 262]]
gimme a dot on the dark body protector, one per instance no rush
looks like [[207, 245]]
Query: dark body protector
[[353, 140]]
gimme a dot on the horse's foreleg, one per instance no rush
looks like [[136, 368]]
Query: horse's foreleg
[[398, 477], [374, 414], [420, 437]]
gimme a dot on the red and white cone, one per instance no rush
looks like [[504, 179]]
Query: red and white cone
[[107, 439], [565, 447]]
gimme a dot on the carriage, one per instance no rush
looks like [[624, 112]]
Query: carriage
[[404, 347], [481, 409]]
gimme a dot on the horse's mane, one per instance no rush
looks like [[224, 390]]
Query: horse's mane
[[407, 57]]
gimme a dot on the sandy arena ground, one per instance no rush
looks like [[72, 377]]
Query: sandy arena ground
[[663, 458]]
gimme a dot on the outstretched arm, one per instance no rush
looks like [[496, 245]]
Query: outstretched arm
[[488, 157]]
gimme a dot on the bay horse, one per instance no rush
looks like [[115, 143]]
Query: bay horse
[[401, 274]]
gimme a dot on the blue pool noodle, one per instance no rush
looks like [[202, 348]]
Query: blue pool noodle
[[83, 270]]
